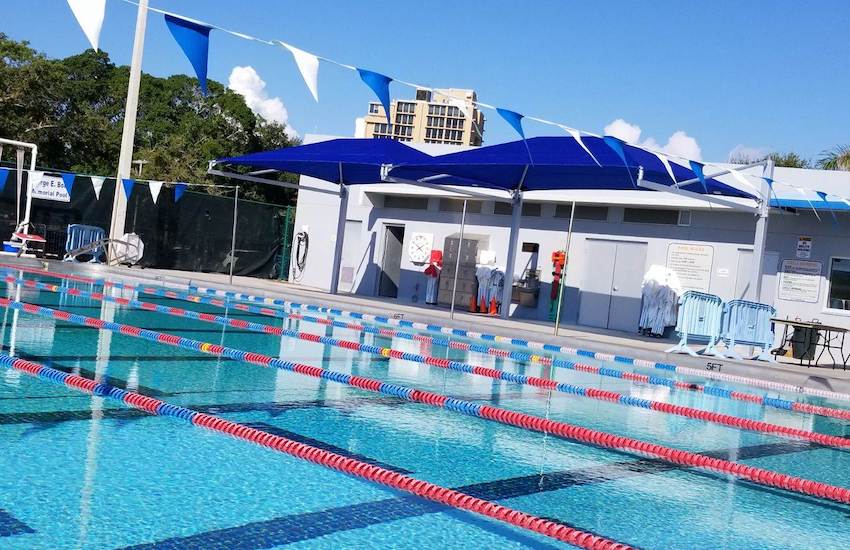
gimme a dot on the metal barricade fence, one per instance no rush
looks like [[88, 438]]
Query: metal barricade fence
[[748, 324], [82, 235], [698, 321]]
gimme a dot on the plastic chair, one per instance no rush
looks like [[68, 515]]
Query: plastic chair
[[81, 239], [698, 321], [748, 324]]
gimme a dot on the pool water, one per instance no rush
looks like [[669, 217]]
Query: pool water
[[82, 472]]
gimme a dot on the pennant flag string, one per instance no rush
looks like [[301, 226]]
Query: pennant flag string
[[308, 66], [68, 181], [179, 189], [127, 183], [154, 187], [194, 39], [89, 15], [97, 185], [617, 146], [380, 84]]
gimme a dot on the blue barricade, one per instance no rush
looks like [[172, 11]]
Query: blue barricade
[[748, 324], [80, 236], [698, 321]]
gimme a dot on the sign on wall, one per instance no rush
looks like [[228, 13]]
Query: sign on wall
[[799, 281], [692, 264], [804, 247], [50, 188]]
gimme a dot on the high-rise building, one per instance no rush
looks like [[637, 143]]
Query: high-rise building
[[435, 116]]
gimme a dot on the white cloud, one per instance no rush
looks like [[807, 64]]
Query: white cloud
[[246, 82], [360, 127], [680, 143], [745, 152]]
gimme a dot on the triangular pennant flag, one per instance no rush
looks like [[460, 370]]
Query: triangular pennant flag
[[154, 187], [380, 84], [4, 177], [179, 189], [697, 169], [815, 210], [666, 162], [822, 196], [617, 146], [128, 184], [97, 184], [577, 136], [89, 14], [514, 119], [68, 180], [194, 39], [460, 104], [742, 180], [308, 65]]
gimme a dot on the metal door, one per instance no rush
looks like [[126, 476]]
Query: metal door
[[743, 276], [629, 269], [598, 278], [391, 261]]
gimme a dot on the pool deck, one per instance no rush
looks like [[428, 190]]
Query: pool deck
[[600, 340]]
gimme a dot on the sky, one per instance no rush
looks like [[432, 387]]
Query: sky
[[700, 78]]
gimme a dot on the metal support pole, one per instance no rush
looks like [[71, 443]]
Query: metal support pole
[[340, 234], [457, 260], [564, 271], [119, 202], [760, 240], [516, 218], [233, 235]]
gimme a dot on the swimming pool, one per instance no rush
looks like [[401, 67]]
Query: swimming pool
[[87, 472]]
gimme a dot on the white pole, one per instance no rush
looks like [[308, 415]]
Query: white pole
[[760, 240], [516, 218], [233, 236], [340, 234], [119, 203], [457, 260], [564, 270]]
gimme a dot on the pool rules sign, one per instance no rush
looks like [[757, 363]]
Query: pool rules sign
[[50, 188]]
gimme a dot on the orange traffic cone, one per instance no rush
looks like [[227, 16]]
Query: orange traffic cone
[[472, 307], [494, 309], [483, 308]]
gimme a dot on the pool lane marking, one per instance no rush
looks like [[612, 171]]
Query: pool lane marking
[[522, 420], [348, 465], [476, 370], [553, 348]]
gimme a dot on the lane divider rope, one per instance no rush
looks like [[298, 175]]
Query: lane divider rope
[[522, 420], [670, 383], [477, 370], [328, 459]]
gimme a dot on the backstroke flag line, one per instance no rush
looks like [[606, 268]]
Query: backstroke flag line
[[380, 84], [308, 66], [193, 37], [89, 14], [97, 184]]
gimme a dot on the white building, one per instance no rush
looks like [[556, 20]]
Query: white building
[[617, 236]]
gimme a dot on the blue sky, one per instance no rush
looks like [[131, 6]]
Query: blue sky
[[768, 75]]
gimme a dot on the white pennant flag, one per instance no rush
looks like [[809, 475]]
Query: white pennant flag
[[154, 187], [577, 136], [97, 184], [89, 14], [308, 64], [666, 162]]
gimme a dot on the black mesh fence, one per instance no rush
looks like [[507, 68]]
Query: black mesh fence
[[192, 233]]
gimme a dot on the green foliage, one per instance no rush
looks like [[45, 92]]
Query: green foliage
[[837, 158], [787, 160], [73, 109]]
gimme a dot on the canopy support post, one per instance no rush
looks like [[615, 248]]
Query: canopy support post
[[457, 260], [564, 270], [761, 235], [516, 218], [340, 234]]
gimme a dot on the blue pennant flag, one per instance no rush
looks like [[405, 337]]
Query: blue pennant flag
[[128, 186], [194, 39], [380, 84], [4, 176], [514, 119], [616, 145], [822, 196], [696, 167], [68, 180], [179, 189]]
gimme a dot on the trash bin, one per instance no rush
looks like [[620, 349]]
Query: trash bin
[[804, 342]]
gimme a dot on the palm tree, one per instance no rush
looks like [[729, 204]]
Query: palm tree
[[837, 158]]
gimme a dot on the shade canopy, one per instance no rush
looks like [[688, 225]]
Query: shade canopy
[[561, 162], [347, 160]]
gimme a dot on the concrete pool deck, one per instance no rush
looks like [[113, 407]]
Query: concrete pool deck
[[600, 340]]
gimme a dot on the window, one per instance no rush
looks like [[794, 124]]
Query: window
[[456, 205], [404, 119], [405, 107], [423, 95], [530, 209], [433, 133], [839, 284], [374, 108], [647, 215], [583, 212], [409, 203]]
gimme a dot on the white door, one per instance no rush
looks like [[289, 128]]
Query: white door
[[611, 286]]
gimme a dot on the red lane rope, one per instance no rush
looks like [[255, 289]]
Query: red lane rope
[[523, 420], [328, 459]]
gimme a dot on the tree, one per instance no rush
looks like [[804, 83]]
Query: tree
[[73, 109], [787, 160], [837, 158]]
